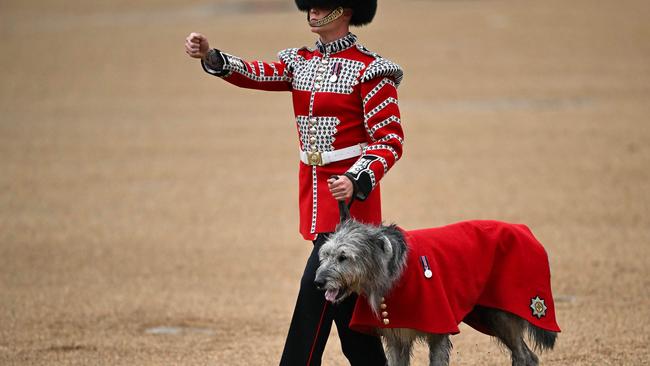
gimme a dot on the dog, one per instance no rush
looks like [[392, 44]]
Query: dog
[[419, 285]]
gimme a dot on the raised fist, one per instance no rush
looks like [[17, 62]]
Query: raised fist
[[196, 45]]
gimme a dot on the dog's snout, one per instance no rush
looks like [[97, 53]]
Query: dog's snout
[[319, 283]]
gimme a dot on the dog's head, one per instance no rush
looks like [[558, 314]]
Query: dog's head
[[350, 259]]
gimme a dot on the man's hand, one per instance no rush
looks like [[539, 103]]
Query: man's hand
[[341, 188], [196, 45]]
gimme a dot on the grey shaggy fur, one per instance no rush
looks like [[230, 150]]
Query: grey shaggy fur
[[359, 244], [368, 260]]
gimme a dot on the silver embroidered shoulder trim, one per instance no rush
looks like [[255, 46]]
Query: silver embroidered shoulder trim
[[380, 67], [289, 57], [366, 51]]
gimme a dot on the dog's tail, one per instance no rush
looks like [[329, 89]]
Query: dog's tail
[[542, 339]]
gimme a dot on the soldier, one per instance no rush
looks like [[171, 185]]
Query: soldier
[[350, 135]]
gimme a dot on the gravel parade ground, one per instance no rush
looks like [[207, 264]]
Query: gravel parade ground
[[149, 211]]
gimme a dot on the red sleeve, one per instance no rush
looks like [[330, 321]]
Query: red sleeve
[[271, 76], [384, 129]]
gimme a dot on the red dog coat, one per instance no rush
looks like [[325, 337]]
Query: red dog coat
[[488, 263]]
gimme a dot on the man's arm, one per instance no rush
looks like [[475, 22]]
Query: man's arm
[[272, 76], [383, 126]]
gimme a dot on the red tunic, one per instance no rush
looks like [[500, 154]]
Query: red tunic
[[488, 263], [343, 95]]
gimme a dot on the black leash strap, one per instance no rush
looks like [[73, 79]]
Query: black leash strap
[[344, 209]]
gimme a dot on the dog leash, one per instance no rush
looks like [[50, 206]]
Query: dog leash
[[344, 209]]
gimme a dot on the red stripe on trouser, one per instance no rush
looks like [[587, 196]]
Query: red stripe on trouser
[[320, 322]]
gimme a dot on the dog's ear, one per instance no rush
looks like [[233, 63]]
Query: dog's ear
[[384, 244]]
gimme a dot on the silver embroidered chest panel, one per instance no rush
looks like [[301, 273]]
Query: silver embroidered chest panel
[[339, 75]]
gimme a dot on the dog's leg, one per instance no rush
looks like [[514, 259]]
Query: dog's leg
[[398, 347], [439, 349], [509, 329]]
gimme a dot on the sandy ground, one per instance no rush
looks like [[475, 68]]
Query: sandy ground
[[137, 192]]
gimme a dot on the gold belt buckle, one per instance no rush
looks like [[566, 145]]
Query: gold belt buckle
[[315, 158]]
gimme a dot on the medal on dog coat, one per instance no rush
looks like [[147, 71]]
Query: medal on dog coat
[[451, 269]]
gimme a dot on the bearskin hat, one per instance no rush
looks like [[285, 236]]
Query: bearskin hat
[[362, 10]]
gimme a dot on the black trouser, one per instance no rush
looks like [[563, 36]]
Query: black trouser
[[312, 321]]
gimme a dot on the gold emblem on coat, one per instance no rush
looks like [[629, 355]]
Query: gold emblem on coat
[[538, 306]]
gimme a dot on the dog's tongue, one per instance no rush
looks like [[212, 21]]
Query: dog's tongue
[[330, 295]]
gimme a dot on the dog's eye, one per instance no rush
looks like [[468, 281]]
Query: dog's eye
[[342, 257]]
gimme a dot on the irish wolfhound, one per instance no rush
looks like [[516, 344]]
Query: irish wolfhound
[[418, 285]]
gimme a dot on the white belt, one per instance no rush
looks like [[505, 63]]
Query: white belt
[[321, 158]]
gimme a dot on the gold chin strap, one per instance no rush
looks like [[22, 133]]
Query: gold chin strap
[[332, 16]]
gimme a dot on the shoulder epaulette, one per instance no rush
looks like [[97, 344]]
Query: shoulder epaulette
[[290, 56], [380, 67]]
